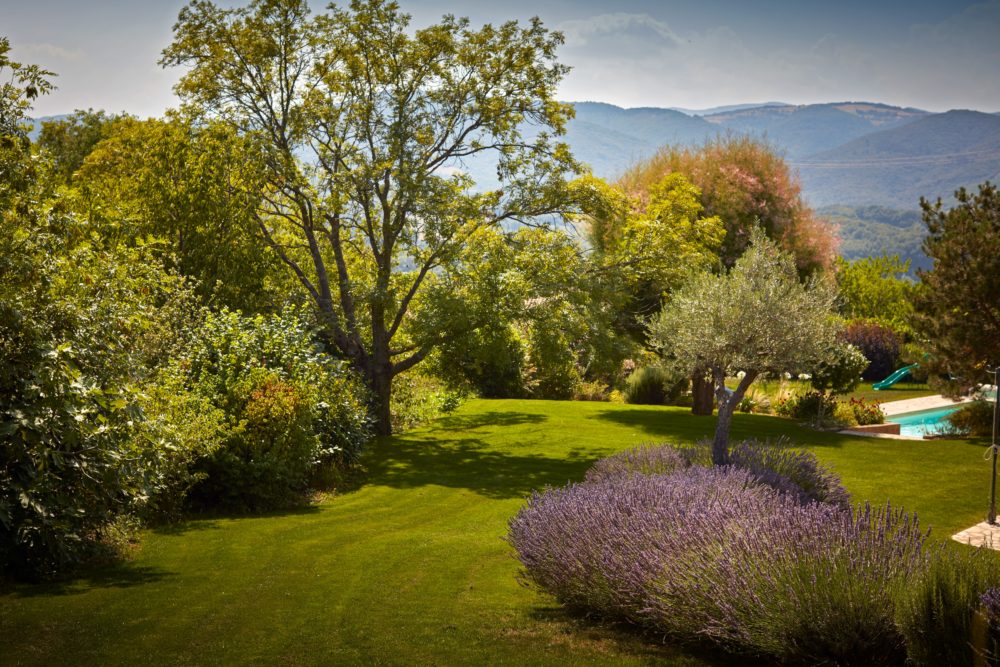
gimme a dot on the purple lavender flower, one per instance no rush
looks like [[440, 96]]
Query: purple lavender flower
[[714, 553]]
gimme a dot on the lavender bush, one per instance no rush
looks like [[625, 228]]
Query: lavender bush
[[648, 460], [797, 473], [777, 464], [712, 553]]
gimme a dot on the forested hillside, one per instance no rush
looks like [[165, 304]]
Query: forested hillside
[[929, 157], [868, 231]]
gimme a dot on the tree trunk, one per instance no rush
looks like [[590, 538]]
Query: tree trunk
[[727, 400], [701, 392], [380, 383], [720, 445]]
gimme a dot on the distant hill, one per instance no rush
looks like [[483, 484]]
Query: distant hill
[[930, 157], [866, 231], [797, 131], [807, 129], [729, 107], [610, 138]]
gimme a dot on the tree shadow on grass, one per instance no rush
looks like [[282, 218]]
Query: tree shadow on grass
[[422, 458], [209, 519], [491, 419], [118, 575], [633, 640]]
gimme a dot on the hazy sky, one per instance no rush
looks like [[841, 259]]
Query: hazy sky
[[700, 53]]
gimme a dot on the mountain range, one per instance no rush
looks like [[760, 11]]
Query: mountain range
[[863, 165], [853, 153]]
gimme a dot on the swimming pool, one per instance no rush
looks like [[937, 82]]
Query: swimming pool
[[925, 422]]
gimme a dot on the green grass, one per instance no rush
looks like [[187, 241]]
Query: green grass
[[898, 392], [411, 567]]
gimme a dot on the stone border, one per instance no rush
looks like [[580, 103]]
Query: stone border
[[981, 535]]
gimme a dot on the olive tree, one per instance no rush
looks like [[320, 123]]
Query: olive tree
[[362, 126], [756, 318]]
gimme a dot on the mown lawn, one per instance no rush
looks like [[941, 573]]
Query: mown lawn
[[897, 392], [411, 568]]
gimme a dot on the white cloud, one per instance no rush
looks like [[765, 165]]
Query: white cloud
[[46, 50], [636, 60], [619, 35]]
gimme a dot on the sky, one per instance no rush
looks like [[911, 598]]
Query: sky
[[670, 53]]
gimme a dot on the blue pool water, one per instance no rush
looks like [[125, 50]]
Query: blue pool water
[[925, 422]]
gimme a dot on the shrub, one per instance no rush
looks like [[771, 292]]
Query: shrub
[[180, 428], [975, 419], [592, 391], [648, 460], [288, 407], [841, 371], [809, 405], [552, 371], [866, 412], [74, 316], [488, 361], [948, 613], [418, 399], [775, 464], [778, 464], [654, 385], [879, 344], [269, 452], [712, 553]]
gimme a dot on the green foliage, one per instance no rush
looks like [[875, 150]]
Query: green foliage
[[288, 408], [179, 429], [654, 385], [650, 239], [744, 183], [757, 318], [958, 300], [810, 405], [939, 611], [186, 182], [974, 419], [876, 289], [592, 391], [82, 322], [67, 142], [75, 322], [22, 84], [418, 399], [269, 453], [489, 361], [552, 370], [840, 371], [866, 412]]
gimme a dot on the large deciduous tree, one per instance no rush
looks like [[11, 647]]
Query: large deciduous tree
[[757, 318], [362, 126], [958, 299]]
